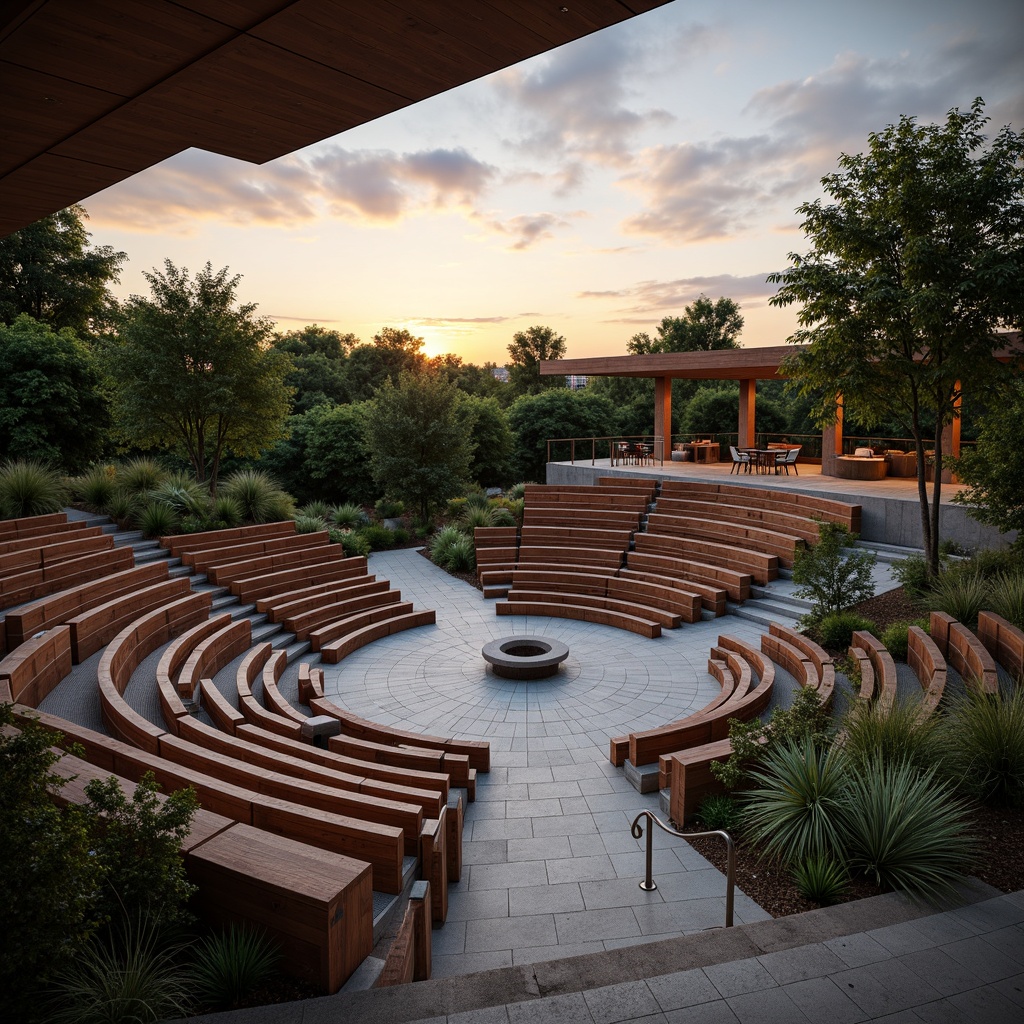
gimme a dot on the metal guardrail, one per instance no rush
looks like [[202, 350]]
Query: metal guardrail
[[648, 884]]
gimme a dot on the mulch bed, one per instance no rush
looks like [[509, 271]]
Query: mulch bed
[[885, 609]]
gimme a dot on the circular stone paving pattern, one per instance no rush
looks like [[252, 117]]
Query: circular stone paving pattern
[[525, 657]]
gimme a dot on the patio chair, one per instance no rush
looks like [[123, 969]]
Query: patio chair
[[738, 459], [786, 459]]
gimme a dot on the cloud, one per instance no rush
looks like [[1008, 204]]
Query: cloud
[[526, 230], [369, 186], [654, 297], [441, 321]]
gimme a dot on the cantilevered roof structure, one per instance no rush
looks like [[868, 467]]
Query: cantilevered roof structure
[[721, 364], [96, 90]]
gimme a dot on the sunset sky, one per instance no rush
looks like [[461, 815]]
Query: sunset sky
[[594, 189]]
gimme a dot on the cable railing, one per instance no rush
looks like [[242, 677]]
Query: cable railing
[[648, 884], [625, 449]]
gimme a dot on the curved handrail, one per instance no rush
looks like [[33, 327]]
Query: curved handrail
[[648, 884]]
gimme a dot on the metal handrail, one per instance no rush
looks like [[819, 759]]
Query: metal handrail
[[648, 884]]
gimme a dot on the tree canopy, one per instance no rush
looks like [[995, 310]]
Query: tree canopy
[[318, 365], [419, 448], [49, 271], [527, 350], [912, 269], [51, 406], [704, 326], [391, 353], [191, 369]]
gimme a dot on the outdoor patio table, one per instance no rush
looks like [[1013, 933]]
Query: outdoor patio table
[[704, 451], [762, 459]]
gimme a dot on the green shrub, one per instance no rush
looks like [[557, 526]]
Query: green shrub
[[906, 830], [441, 542], [231, 965], [400, 536], [502, 516], [893, 735], [984, 735], [477, 499], [96, 488], [379, 537], [140, 475], [835, 631], [455, 507], [258, 496], [227, 511], [961, 594], [822, 879], [462, 555], [349, 516], [352, 542], [184, 496], [317, 509], [130, 978], [156, 520], [832, 573], [124, 506], [912, 572], [389, 508], [719, 811], [1007, 597], [895, 637], [30, 488], [309, 524], [795, 810], [474, 516], [516, 492]]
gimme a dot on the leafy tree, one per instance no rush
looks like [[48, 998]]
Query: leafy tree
[[391, 353], [51, 406], [49, 271], [633, 397], [714, 409], [318, 365], [419, 448], [527, 350], [994, 469], [832, 573], [703, 327], [535, 419], [911, 271], [192, 370], [488, 427]]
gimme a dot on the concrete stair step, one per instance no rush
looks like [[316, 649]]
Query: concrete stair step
[[774, 597], [764, 613], [297, 649], [267, 631]]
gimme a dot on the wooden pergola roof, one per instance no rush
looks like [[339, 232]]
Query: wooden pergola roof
[[97, 90], [722, 364]]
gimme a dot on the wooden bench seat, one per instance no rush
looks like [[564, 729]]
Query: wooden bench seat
[[600, 616], [212, 653], [204, 559], [320, 554], [84, 542], [26, 526], [784, 546], [333, 633], [761, 568], [579, 596], [965, 652], [31, 584], [44, 538], [262, 584], [576, 536], [293, 602], [1004, 641], [691, 778], [882, 666], [928, 664], [824, 680], [368, 597], [331, 653], [865, 670], [261, 659], [645, 485], [178, 544], [553, 555], [593, 516], [46, 612], [655, 559], [790, 523], [28, 674], [92, 629], [707, 596], [273, 699], [171, 662]]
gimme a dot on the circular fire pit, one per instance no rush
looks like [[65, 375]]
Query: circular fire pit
[[525, 657]]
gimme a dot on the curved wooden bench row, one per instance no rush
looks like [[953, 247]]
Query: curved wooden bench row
[[273, 699], [40, 582], [333, 652], [600, 616], [592, 516], [790, 523], [203, 559], [495, 536], [928, 664], [965, 652], [646, 485], [276, 606], [185, 542], [28, 674], [824, 680], [773, 542], [26, 526], [262, 584], [341, 605], [712, 598], [91, 630], [760, 567], [757, 497], [1004, 641], [883, 668], [653, 558], [579, 596], [317, 906], [84, 542], [583, 496], [50, 611], [212, 653], [225, 575], [557, 553], [260, 661], [44, 538], [576, 536], [168, 669], [333, 636]]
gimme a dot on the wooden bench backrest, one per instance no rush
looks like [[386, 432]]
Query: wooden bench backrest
[[27, 525], [37, 666], [964, 652], [882, 664], [264, 584], [52, 535], [320, 554], [928, 664], [334, 651], [213, 652], [1004, 641], [40, 582], [183, 542], [40, 556]]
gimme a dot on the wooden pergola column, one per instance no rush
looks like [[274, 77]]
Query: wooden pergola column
[[747, 424], [662, 417]]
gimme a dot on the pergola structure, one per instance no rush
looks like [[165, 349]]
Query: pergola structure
[[746, 365], [96, 90]]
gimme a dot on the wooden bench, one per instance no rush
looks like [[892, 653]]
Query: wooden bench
[[593, 516], [645, 485], [331, 653], [32, 584], [760, 567], [1004, 641], [204, 559], [258, 661], [708, 597], [265, 584], [45, 538], [584, 599], [791, 658], [335, 633], [321, 554], [171, 662], [26, 526], [84, 542], [576, 536], [928, 664], [790, 523], [277, 606], [371, 596], [50, 611], [28, 674], [599, 616], [212, 653], [654, 558], [783, 546], [273, 699], [965, 652], [92, 629], [824, 666], [555, 555], [882, 666], [178, 544], [691, 778]]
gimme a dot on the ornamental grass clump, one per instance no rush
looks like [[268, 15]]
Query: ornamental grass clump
[[474, 516], [720, 812], [984, 734], [156, 520], [960, 593], [835, 630], [96, 487], [231, 965], [258, 496], [1007, 597], [140, 475], [349, 516], [30, 488], [892, 735]]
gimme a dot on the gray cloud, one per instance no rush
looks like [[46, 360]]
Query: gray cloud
[[658, 297], [526, 230], [440, 321]]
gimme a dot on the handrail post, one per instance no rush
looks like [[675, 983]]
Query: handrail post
[[648, 884]]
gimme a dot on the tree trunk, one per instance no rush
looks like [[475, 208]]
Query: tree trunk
[[933, 549]]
